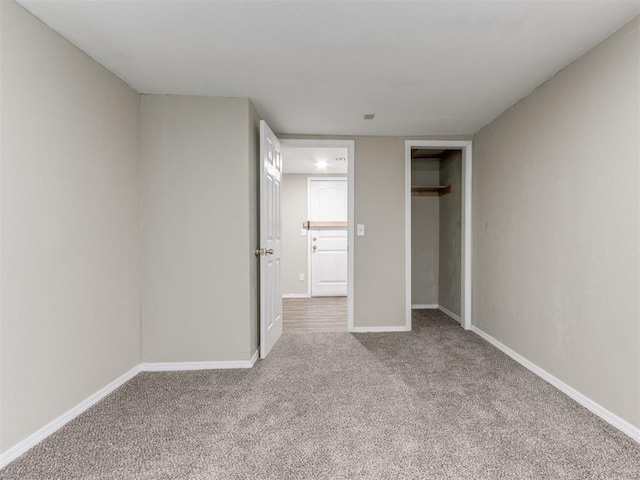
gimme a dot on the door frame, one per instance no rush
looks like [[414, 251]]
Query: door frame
[[350, 146], [309, 259], [466, 146]]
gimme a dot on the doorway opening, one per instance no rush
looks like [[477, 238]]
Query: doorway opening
[[438, 228], [317, 220]]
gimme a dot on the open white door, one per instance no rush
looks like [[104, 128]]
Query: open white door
[[269, 251]]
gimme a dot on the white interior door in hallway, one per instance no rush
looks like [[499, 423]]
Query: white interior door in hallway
[[329, 245], [270, 235]]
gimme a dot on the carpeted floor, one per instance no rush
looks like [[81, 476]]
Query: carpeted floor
[[434, 403]]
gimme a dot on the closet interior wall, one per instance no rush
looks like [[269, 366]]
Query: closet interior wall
[[436, 234]]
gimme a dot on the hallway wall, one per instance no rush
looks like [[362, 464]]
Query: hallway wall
[[294, 246]]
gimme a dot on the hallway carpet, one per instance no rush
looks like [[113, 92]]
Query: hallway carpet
[[435, 403]]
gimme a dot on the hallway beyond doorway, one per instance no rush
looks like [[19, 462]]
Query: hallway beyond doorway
[[318, 314]]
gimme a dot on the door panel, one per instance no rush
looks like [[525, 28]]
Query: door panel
[[329, 262], [328, 200], [269, 251]]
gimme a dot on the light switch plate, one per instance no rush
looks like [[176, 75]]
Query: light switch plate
[[360, 230]]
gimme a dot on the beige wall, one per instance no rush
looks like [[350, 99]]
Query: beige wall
[[254, 226], [294, 245], [556, 221], [450, 254], [70, 281], [199, 275], [379, 256], [425, 227]]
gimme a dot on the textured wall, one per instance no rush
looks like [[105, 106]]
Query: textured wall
[[555, 225], [425, 228], [70, 222], [294, 246], [254, 225], [198, 236], [451, 233]]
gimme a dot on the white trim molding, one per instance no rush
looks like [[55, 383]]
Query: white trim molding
[[295, 295], [35, 438], [393, 328], [424, 306], [609, 417], [187, 366], [407, 230], [448, 312]]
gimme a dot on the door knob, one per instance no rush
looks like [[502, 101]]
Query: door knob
[[264, 251], [314, 248], [268, 251]]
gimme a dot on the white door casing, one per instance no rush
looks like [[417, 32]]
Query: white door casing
[[350, 146], [270, 248], [466, 146], [328, 246]]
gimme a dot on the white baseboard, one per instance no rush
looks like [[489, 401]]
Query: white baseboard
[[599, 410], [35, 438], [185, 366], [17, 450], [400, 328], [424, 306], [254, 357], [450, 313], [295, 295]]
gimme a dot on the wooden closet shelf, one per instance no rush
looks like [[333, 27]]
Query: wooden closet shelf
[[430, 191], [308, 225]]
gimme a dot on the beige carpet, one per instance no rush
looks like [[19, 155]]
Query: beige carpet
[[434, 403]]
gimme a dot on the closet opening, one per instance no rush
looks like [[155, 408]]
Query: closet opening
[[438, 210]]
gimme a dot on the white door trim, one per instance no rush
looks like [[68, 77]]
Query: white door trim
[[350, 145], [466, 146]]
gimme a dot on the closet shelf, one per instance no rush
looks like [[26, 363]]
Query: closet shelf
[[308, 225], [430, 191]]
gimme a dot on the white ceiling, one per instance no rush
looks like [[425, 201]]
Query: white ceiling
[[305, 160], [317, 66]]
